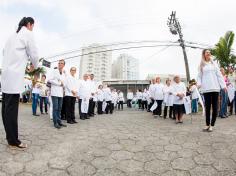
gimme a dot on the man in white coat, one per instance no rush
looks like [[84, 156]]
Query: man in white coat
[[92, 100], [84, 94], [19, 48], [57, 92]]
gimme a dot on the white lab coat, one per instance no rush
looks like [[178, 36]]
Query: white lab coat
[[19, 48], [121, 96], [100, 95], [130, 95], [168, 95], [55, 80], [84, 91], [179, 88], [144, 96], [107, 94], [71, 84], [158, 91]]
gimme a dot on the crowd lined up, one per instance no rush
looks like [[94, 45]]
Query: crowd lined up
[[62, 90]]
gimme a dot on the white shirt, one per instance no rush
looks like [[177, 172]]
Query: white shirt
[[36, 89], [193, 89], [179, 88], [210, 78], [168, 95], [139, 95], [114, 97], [71, 84], [121, 96], [130, 95], [107, 94], [151, 90], [43, 90], [158, 91], [19, 48], [145, 96], [56, 80], [100, 95], [84, 91]]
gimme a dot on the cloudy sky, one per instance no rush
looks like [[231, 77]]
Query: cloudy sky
[[64, 25]]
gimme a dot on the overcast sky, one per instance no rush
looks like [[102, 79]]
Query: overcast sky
[[63, 25]]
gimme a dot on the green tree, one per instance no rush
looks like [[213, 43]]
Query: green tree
[[223, 51], [38, 71]]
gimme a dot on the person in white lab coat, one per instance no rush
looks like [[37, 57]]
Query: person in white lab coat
[[19, 48], [114, 98], [71, 88], [84, 94], [179, 92], [144, 99], [168, 99], [100, 99], [92, 100], [130, 96], [151, 91], [43, 95], [139, 98], [57, 81], [120, 100], [158, 96], [108, 98]]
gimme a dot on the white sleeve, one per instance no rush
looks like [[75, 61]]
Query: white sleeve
[[53, 80], [31, 50], [220, 77]]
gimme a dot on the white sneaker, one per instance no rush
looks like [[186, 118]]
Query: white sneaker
[[210, 129], [206, 128]]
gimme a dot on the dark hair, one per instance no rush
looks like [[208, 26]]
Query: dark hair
[[44, 76], [62, 60], [24, 21]]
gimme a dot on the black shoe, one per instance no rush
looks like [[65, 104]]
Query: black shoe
[[36, 115], [74, 121], [164, 117], [62, 125], [42, 113], [222, 117], [70, 122], [57, 126], [82, 118], [87, 117]]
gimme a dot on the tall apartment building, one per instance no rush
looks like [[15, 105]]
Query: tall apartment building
[[125, 67], [95, 61]]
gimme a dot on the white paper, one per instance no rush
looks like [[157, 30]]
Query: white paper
[[201, 102], [187, 105], [231, 91], [104, 105], [85, 105], [154, 106]]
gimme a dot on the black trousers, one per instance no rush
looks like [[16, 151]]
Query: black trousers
[[211, 100], [109, 107], [158, 110], [70, 108], [91, 107], [10, 105], [120, 105], [99, 110], [44, 100], [144, 104], [63, 110], [129, 103], [170, 111], [81, 115], [139, 103]]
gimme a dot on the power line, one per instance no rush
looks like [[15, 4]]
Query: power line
[[109, 45], [115, 49]]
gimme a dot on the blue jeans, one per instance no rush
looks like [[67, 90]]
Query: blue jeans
[[194, 105], [223, 105], [35, 98], [56, 109]]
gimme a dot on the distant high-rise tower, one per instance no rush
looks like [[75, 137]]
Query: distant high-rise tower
[[125, 67], [95, 61]]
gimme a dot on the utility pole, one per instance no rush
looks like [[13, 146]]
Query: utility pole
[[175, 29]]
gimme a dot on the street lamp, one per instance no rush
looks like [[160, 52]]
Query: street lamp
[[175, 29]]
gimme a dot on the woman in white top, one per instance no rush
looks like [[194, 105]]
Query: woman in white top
[[120, 100], [179, 92], [19, 48], [100, 99], [168, 99], [130, 96], [210, 80], [71, 88], [144, 99], [43, 95], [158, 96]]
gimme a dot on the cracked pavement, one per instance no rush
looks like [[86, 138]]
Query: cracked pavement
[[129, 142]]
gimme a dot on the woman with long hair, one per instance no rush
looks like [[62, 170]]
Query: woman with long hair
[[210, 81], [19, 48]]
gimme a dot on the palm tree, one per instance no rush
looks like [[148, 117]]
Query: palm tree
[[223, 51]]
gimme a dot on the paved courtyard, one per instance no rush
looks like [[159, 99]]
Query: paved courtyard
[[129, 142]]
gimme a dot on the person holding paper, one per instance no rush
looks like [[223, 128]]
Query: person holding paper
[[179, 92], [210, 81]]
